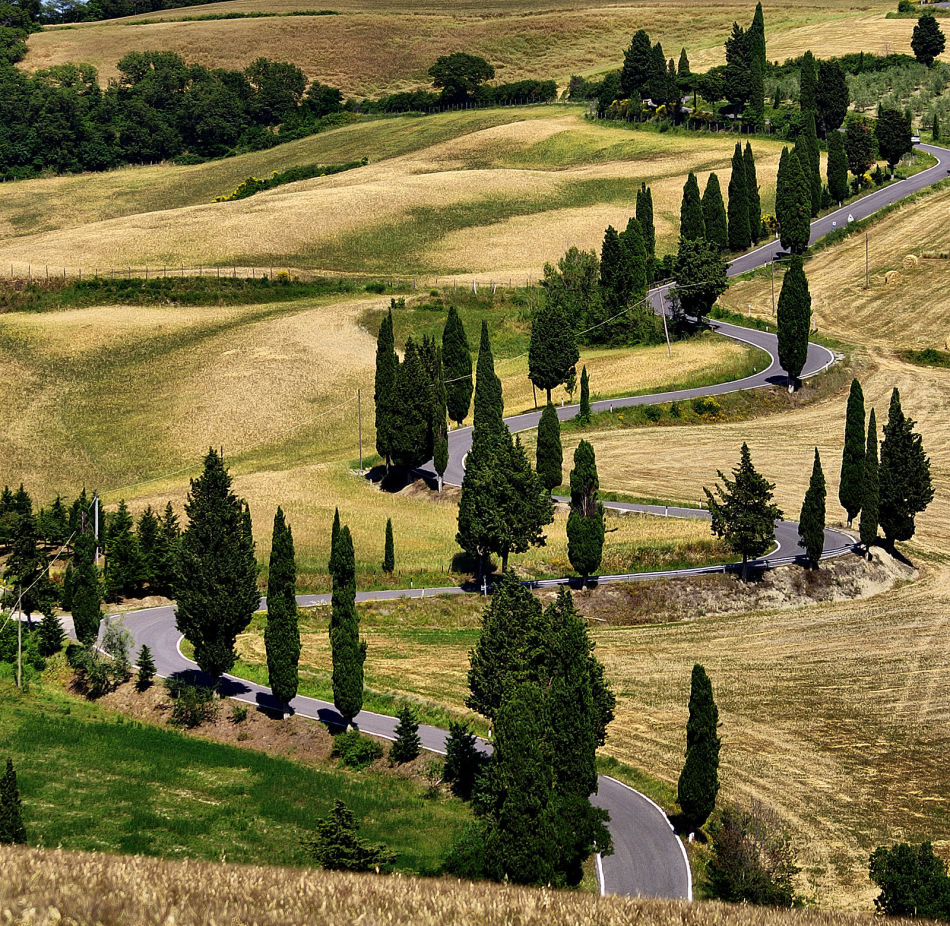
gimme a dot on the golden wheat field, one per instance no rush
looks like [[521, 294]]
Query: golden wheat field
[[51, 886], [381, 48], [480, 198]]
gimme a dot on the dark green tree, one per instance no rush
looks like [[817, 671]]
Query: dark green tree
[[410, 413], [550, 456], [457, 364], [86, 596], [851, 485], [552, 349], [860, 144], [147, 533], [51, 634], [808, 84], [793, 205], [809, 157], [757, 36], [739, 231], [387, 368], [167, 560], [615, 281], [26, 570], [489, 408], [459, 75], [635, 254], [794, 320], [927, 42], [463, 760], [811, 522], [714, 215], [893, 132], [217, 591], [870, 494], [585, 523], [407, 743], [837, 167], [348, 651], [692, 226], [752, 193], [575, 284], [282, 633], [699, 781], [935, 130], [700, 274], [584, 411], [12, 831], [146, 672], [742, 511], [831, 97], [913, 881], [645, 218], [123, 572], [637, 67], [389, 549], [338, 846], [905, 485]]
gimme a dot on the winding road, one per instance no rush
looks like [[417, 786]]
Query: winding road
[[648, 860]]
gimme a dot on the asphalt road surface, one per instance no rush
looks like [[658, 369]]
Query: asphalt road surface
[[648, 859]]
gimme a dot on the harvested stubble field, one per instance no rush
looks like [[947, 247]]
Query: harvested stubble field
[[493, 194], [44, 887], [377, 48]]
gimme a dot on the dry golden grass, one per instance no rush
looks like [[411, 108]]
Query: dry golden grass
[[42, 887], [354, 50]]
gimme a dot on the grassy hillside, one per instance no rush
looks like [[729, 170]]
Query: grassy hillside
[[495, 194], [87, 889], [529, 38]]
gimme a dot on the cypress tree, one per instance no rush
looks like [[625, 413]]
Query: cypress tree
[[793, 204], [552, 349], [585, 523], [217, 592], [389, 551], [808, 84], [12, 831], [753, 200], [86, 598], [410, 439], [334, 539], [26, 570], [851, 486], [634, 250], [870, 500], [348, 651], [440, 425], [616, 287], [147, 537], [457, 363], [809, 156], [714, 214], [123, 568], [756, 36], [699, 781], [739, 232], [407, 744], [282, 633], [489, 409], [794, 321], [146, 672], [811, 524], [463, 760], [550, 456], [584, 412], [51, 635], [935, 131], [692, 226], [744, 514], [645, 218], [904, 475], [837, 167], [169, 552], [387, 367]]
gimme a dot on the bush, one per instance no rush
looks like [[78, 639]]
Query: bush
[[467, 856], [96, 674], [338, 847], [238, 713], [117, 642], [753, 860], [653, 412], [194, 704], [905, 6], [407, 744], [706, 407], [913, 881], [355, 750], [375, 287]]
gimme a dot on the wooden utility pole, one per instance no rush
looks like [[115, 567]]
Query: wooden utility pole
[[669, 350], [772, 271], [359, 415], [867, 262]]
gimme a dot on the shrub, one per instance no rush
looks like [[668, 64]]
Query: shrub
[[146, 669], [407, 744], [355, 750], [753, 860], [913, 881], [706, 407], [337, 846], [238, 713], [653, 412], [375, 287], [194, 705], [675, 410], [117, 642], [905, 6], [96, 675]]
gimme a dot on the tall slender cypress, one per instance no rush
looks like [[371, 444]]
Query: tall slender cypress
[[811, 163], [793, 205], [389, 549], [282, 633], [837, 167], [387, 367], [457, 365], [584, 411], [811, 525], [635, 253], [870, 499], [12, 831], [645, 218], [739, 232], [348, 651], [550, 456], [85, 594], [489, 409], [753, 199], [714, 214], [851, 486], [698, 783], [794, 321], [585, 523], [411, 412], [808, 84], [440, 424], [692, 226]]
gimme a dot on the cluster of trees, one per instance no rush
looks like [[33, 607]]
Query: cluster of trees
[[413, 399], [75, 11], [913, 881], [534, 676], [159, 108]]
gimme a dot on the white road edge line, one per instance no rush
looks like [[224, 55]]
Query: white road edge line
[[679, 842]]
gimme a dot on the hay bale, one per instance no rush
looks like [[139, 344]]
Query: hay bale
[[892, 277], [911, 261]]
